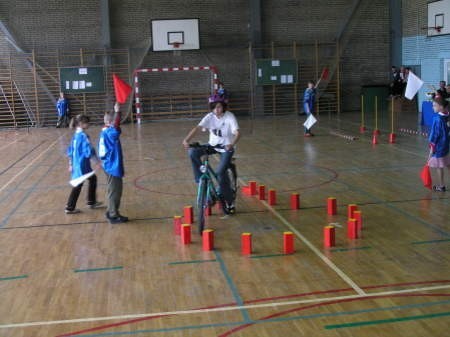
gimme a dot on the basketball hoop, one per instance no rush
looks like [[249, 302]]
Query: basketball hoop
[[437, 30], [176, 48]]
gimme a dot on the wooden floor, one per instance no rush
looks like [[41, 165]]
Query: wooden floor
[[77, 275]]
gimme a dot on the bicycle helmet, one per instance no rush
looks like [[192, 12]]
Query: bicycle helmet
[[216, 99]]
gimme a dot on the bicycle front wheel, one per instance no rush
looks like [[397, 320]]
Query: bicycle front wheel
[[232, 177], [202, 203]]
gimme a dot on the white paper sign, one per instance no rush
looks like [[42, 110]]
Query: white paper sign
[[275, 63], [283, 79], [77, 181], [259, 72], [67, 85], [310, 121], [290, 78], [273, 78], [82, 71], [75, 85], [413, 85]]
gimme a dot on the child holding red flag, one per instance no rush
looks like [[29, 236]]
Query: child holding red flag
[[110, 153], [439, 142]]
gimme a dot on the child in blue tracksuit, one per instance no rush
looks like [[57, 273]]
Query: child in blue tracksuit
[[110, 153], [80, 152], [309, 99], [62, 106], [439, 157]]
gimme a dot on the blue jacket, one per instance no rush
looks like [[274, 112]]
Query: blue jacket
[[309, 98], [439, 139], [79, 152], [62, 106], [110, 151]]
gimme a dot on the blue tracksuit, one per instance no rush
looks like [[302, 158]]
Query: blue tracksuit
[[439, 138], [80, 152], [309, 98], [110, 151], [63, 107]]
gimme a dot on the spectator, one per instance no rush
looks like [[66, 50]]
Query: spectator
[[62, 106]]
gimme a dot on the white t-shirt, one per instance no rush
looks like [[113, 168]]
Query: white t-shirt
[[221, 130]]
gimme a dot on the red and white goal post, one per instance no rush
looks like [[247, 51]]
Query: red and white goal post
[[137, 91]]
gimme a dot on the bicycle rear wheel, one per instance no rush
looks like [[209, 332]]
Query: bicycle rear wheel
[[202, 203]]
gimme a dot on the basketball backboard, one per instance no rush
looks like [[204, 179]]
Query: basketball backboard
[[438, 18], [179, 34]]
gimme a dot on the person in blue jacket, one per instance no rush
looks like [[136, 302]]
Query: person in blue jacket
[[439, 157], [80, 152], [62, 106], [309, 99], [110, 153]]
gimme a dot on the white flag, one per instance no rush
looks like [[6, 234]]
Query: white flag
[[413, 85], [77, 181], [310, 121]]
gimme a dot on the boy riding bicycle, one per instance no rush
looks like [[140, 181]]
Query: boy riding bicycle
[[223, 133]]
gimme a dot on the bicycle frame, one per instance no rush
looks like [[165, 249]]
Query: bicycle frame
[[209, 177]]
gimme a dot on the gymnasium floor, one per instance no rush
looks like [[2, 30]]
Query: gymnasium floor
[[77, 275]]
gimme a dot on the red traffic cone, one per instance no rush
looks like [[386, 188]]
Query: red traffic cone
[[374, 139]]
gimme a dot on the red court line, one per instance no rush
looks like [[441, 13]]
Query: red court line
[[281, 313], [113, 325]]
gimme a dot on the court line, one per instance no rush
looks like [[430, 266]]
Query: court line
[[317, 305], [385, 321], [9, 144], [272, 320], [13, 277], [259, 300], [222, 309], [337, 250], [431, 241], [21, 158], [30, 164], [26, 196], [308, 243], [232, 286], [192, 261], [398, 210], [97, 269]]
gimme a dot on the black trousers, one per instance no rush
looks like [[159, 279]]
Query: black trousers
[[75, 193]]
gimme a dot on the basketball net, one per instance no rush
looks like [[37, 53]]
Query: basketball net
[[176, 49]]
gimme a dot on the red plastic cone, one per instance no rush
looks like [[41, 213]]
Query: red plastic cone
[[425, 175], [121, 89], [374, 139]]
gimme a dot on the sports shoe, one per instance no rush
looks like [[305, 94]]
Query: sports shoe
[[96, 205], [72, 211], [439, 188], [229, 208], [118, 219]]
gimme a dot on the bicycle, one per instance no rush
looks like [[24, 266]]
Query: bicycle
[[208, 191]]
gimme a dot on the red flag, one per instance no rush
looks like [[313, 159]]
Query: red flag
[[325, 73], [425, 175], [121, 88]]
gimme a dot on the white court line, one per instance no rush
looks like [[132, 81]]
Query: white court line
[[330, 264], [29, 164], [316, 251], [222, 309], [9, 144]]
